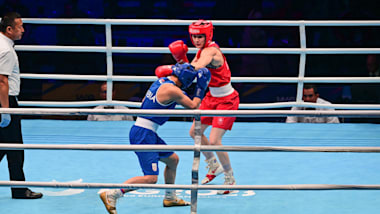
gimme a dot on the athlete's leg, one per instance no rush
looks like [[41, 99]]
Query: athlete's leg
[[110, 197], [214, 167], [171, 168], [204, 140], [216, 136], [170, 173], [148, 162]]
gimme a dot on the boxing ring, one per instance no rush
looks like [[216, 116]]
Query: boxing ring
[[268, 158]]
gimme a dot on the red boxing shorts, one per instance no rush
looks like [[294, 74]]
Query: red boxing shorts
[[230, 102]]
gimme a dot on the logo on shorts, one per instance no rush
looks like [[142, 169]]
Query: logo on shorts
[[154, 167], [220, 121]]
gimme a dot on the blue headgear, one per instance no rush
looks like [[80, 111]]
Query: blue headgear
[[185, 73]]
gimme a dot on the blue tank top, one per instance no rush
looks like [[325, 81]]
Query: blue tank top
[[151, 102]]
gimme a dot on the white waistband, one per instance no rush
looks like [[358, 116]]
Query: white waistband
[[222, 91], [145, 123]]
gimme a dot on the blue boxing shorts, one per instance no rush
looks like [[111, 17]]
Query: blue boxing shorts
[[148, 160]]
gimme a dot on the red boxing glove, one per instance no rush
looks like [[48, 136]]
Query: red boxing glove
[[164, 71], [179, 51]]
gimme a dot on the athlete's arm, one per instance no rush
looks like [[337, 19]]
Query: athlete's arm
[[169, 93], [209, 55]]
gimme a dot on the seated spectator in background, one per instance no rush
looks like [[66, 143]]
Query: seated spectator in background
[[368, 93], [310, 94], [103, 95], [373, 65]]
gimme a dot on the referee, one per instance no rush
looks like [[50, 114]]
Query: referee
[[10, 126]]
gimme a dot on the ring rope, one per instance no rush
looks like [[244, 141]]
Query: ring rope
[[96, 49], [241, 106], [191, 113], [191, 187], [196, 148], [233, 79], [187, 22]]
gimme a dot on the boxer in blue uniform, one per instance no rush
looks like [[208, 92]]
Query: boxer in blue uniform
[[164, 93]]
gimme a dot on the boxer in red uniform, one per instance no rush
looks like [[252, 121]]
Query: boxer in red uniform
[[221, 95]]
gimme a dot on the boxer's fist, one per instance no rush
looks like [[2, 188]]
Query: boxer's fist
[[179, 51], [163, 71]]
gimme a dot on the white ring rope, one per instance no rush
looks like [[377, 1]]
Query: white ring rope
[[241, 106], [107, 147], [233, 79], [97, 49], [191, 187], [174, 22], [191, 113]]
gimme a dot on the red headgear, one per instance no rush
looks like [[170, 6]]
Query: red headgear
[[202, 27]]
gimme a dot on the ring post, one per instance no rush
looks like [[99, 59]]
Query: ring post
[[195, 169], [109, 62], [302, 63]]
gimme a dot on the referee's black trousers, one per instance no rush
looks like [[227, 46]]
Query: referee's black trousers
[[15, 158]]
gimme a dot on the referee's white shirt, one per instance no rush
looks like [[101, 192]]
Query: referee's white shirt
[[9, 64], [96, 117], [311, 119]]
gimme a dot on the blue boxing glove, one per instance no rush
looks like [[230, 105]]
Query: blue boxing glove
[[5, 120], [203, 79], [184, 65]]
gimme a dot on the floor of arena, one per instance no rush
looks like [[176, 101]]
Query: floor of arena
[[249, 168]]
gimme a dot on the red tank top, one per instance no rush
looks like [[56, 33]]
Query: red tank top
[[219, 76]]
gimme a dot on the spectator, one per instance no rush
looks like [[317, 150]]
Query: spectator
[[310, 94], [373, 65], [367, 93], [103, 94]]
